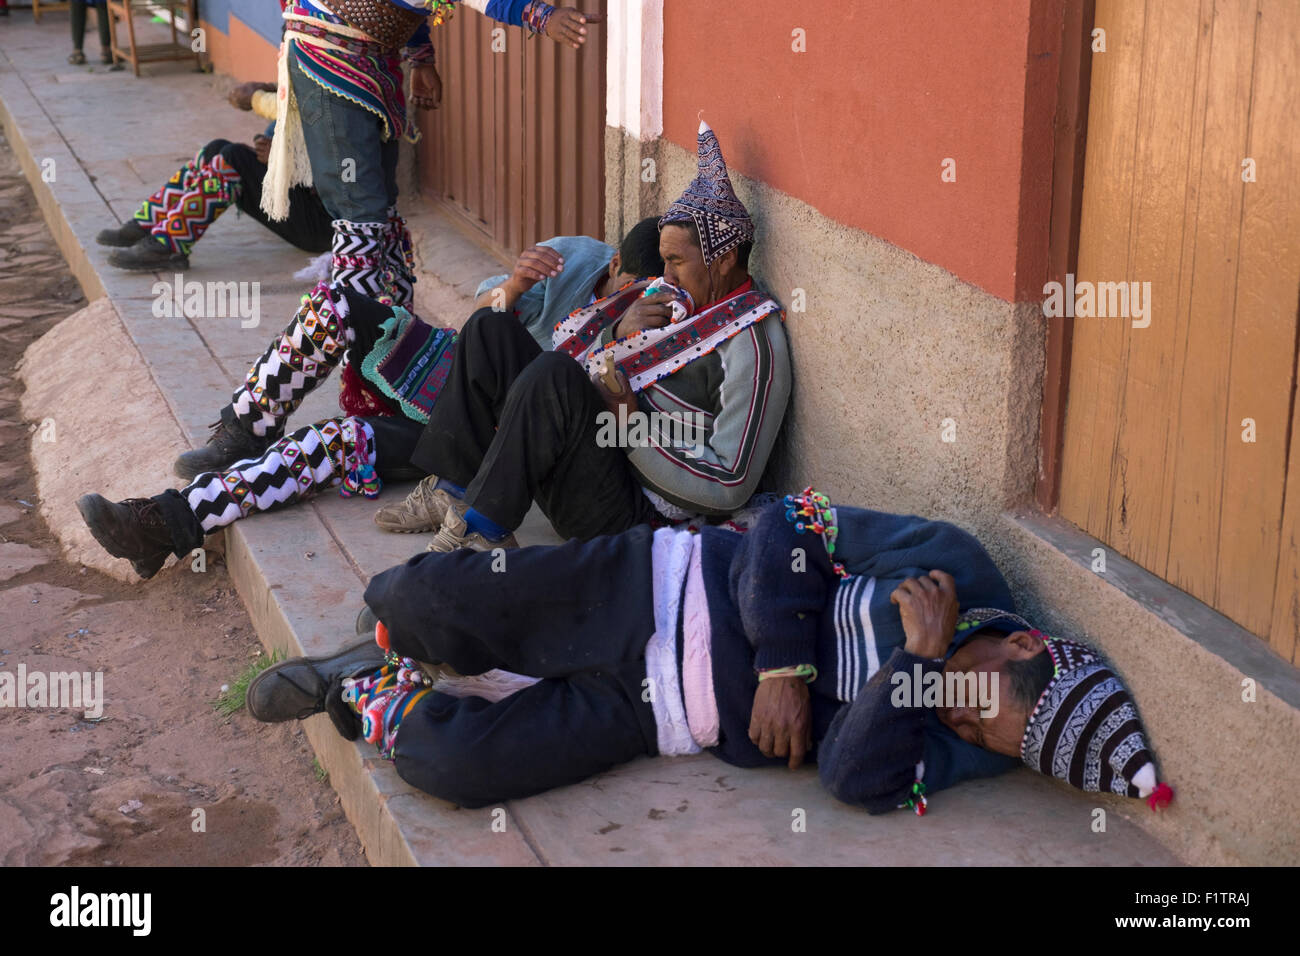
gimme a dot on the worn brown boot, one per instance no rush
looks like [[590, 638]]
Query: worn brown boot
[[133, 529]]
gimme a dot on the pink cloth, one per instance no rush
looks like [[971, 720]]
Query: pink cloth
[[697, 658]]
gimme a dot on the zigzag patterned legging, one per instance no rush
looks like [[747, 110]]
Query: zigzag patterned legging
[[296, 467], [181, 211], [300, 358]]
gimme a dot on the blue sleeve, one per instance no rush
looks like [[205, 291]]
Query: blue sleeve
[[870, 752], [507, 11], [780, 580], [491, 283], [269, 132]]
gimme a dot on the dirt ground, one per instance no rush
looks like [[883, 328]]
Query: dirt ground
[[123, 790]]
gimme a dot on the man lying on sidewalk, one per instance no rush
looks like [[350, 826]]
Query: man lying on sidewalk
[[833, 635], [247, 467], [517, 425], [165, 228]]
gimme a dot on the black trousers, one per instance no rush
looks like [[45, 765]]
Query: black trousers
[[514, 424], [308, 226], [577, 614]]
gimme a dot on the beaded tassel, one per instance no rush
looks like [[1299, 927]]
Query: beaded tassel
[[384, 699], [811, 511]]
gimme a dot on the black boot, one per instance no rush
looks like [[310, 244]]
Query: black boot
[[298, 688], [228, 444], [148, 255], [135, 529], [127, 234]]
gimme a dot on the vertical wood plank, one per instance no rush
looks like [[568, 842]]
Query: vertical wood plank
[[1263, 353], [1191, 516], [1092, 411]]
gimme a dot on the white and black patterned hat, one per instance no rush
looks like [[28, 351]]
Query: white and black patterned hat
[[711, 203], [1085, 728]]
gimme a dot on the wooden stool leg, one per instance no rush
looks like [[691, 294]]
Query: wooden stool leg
[[130, 36]]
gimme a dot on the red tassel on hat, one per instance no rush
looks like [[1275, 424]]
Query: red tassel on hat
[[1161, 797]]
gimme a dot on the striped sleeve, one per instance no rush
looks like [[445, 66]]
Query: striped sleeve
[[719, 475]]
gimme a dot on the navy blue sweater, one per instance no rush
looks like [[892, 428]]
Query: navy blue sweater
[[773, 603]]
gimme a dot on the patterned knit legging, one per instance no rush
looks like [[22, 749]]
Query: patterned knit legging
[[180, 212], [300, 358], [311, 459]]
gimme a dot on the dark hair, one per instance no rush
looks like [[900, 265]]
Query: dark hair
[[639, 251], [1029, 679]]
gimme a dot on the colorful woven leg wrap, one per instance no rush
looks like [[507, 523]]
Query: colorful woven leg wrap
[[383, 700], [360, 259], [300, 359], [154, 209], [293, 469], [399, 260], [214, 188]]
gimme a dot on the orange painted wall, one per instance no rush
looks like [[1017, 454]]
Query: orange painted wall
[[859, 125], [243, 53]]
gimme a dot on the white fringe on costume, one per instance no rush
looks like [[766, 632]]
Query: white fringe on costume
[[288, 165]]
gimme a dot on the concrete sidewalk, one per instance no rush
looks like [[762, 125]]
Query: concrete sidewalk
[[112, 139]]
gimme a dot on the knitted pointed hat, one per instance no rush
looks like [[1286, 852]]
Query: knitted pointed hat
[[1085, 728], [709, 201]]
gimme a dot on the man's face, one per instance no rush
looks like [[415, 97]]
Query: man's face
[[988, 654], [684, 263]]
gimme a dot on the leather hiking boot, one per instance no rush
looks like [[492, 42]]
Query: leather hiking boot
[[421, 510], [124, 236], [302, 686], [148, 255], [227, 444], [455, 533], [133, 529]]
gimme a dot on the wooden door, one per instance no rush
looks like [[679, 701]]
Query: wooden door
[[518, 146], [1178, 434]]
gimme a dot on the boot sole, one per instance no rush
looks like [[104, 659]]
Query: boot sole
[[95, 514], [115, 243], [177, 262]]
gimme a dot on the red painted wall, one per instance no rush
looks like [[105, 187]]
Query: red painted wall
[[243, 53], [859, 125]]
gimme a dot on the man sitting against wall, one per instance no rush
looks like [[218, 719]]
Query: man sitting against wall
[[516, 425], [885, 648]]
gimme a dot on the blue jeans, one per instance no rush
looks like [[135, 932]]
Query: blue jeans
[[355, 174]]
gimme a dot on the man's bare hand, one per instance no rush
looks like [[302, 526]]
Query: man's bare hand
[[566, 26], [426, 86], [241, 97], [262, 146], [535, 264], [928, 607], [647, 312], [780, 724]]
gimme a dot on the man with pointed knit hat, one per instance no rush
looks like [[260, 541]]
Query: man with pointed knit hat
[[885, 648], [700, 355]]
